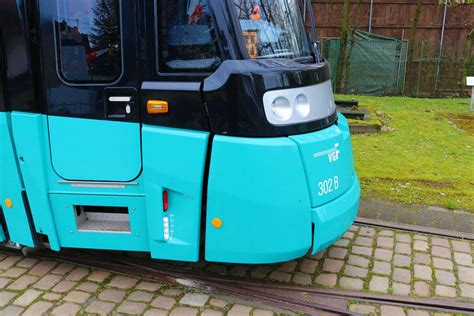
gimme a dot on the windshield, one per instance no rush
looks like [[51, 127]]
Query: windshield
[[273, 28]]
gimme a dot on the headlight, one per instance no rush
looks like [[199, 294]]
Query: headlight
[[302, 106], [282, 109]]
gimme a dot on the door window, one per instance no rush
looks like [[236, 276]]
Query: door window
[[89, 40], [186, 37]]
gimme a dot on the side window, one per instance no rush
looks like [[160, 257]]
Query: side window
[[89, 40], [186, 37]]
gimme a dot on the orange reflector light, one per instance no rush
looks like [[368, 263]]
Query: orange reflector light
[[217, 223], [157, 107], [8, 203], [165, 201]]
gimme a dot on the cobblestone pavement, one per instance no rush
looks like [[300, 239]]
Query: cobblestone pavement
[[367, 259]]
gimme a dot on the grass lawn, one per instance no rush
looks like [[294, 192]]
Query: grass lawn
[[425, 157]]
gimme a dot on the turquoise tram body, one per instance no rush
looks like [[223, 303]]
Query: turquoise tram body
[[185, 129]]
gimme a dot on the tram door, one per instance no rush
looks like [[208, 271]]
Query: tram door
[[89, 53]]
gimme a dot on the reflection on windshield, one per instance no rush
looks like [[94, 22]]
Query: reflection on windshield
[[272, 28]]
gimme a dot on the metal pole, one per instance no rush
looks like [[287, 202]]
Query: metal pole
[[441, 44], [371, 14], [313, 29]]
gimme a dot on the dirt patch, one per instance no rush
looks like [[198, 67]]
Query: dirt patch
[[462, 121]]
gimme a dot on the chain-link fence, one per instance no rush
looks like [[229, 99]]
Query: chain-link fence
[[376, 65]]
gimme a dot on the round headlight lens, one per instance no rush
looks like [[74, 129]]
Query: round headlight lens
[[302, 105], [281, 108]]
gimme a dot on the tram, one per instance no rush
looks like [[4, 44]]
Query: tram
[[185, 129]]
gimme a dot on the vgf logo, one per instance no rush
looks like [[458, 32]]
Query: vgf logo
[[332, 154]]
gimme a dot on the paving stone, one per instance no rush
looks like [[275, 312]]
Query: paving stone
[[66, 309], [388, 233], [302, 278], [4, 282], [6, 297], [78, 274], [239, 310], [421, 237], [185, 311], [383, 255], [367, 231], [98, 276], [445, 277], [194, 299], [331, 265], [362, 309], [379, 284], [351, 283], [446, 291], [354, 228], [28, 297], [12, 311], [402, 275], [211, 312], [308, 266], [385, 242], [218, 302], [38, 308], [337, 253], [422, 289], [420, 245], [23, 282], [64, 286], [63, 269], [412, 312], [163, 302], [442, 252], [9, 262], [383, 268], [140, 296], [404, 249], [52, 297], [88, 287], [101, 308], [443, 264], [42, 268], [261, 312], [440, 242], [77, 297], [386, 310], [355, 271], [289, 266], [280, 276], [131, 308], [423, 272], [172, 292], [364, 251], [463, 259], [401, 260], [358, 261], [466, 274], [461, 246], [467, 290], [260, 272], [401, 289], [364, 241], [123, 282], [148, 286], [110, 295], [348, 235], [155, 312], [13, 273], [422, 258], [328, 280], [342, 243], [47, 282], [403, 238], [239, 271]]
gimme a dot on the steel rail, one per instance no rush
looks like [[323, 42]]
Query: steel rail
[[414, 228]]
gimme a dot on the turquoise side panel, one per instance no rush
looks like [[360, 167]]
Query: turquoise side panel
[[328, 161], [2, 234], [174, 161], [333, 219], [70, 236], [257, 187], [28, 132], [95, 150], [11, 187]]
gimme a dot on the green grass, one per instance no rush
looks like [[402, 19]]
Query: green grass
[[426, 156]]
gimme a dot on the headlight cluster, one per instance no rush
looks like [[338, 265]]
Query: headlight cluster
[[299, 105]]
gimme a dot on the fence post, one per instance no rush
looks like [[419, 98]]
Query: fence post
[[420, 63]]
